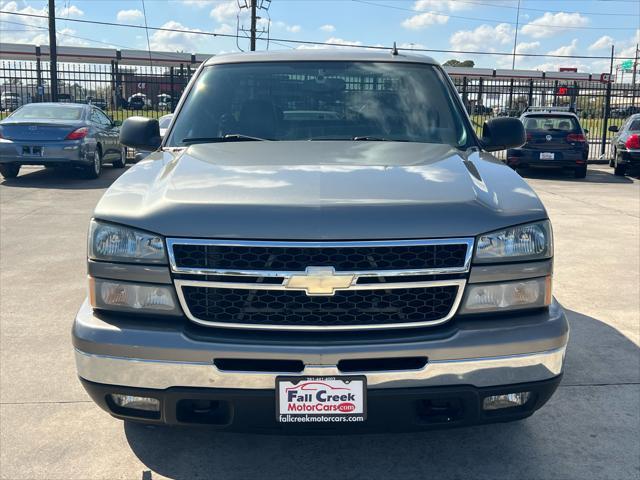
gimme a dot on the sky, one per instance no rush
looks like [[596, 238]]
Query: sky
[[560, 27]]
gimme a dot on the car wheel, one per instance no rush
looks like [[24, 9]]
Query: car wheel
[[95, 169], [580, 172], [619, 169], [10, 170], [122, 161]]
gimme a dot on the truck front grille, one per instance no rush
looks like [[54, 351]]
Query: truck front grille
[[283, 285], [401, 257], [294, 308]]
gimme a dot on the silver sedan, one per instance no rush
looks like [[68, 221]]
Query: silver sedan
[[59, 134]]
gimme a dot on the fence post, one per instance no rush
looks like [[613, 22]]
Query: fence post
[[39, 84], [511, 94], [530, 99], [607, 107], [465, 96], [605, 122], [173, 101], [480, 92]]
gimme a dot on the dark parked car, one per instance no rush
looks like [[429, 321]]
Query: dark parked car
[[555, 139], [98, 102], [624, 112], [59, 134], [626, 145]]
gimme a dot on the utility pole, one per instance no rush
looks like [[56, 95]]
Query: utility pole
[[633, 78], [53, 52], [515, 39], [253, 24]]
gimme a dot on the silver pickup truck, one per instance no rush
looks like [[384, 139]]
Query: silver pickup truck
[[320, 241]]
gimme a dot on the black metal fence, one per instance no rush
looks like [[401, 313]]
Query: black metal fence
[[125, 90]]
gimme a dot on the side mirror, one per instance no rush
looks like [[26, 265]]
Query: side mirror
[[586, 130], [614, 128], [117, 123], [141, 133], [502, 133]]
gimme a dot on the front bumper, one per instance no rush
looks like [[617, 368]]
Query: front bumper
[[467, 356]]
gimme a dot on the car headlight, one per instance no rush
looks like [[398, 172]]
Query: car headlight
[[116, 243], [132, 297], [533, 241], [497, 297]]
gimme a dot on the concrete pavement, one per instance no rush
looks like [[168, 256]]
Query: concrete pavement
[[49, 429]]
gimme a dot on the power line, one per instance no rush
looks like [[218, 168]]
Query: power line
[[310, 42], [485, 20], [529, 9]]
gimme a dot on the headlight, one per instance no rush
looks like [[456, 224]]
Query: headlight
[[533, 241], [496, 297], [117, 243], [132, 297]]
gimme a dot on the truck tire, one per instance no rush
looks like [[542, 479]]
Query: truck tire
[[10, 170]]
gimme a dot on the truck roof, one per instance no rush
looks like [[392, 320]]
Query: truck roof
[[352, 55]]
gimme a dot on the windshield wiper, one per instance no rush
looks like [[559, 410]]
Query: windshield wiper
[[230, 137], [369, 138]]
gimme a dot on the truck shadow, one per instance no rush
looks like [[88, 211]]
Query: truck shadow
[[592, 415], [61, 178]]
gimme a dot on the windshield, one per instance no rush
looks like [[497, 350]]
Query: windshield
[[321, 101], [35, 111], [635, 125], [551, 122]]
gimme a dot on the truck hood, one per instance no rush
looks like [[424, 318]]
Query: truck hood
[[303, 190]]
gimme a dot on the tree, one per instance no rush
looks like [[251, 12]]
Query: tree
[[458, 63]]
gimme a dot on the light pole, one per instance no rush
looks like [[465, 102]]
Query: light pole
[[515, 38]]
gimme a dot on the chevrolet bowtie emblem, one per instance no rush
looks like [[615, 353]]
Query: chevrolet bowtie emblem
[[319, 281]]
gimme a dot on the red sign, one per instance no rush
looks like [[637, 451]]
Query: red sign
[[605, 77], [569, 69]]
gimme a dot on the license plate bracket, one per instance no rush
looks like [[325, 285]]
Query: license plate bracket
[[302, 399]]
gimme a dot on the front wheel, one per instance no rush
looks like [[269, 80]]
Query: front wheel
[[10, 170], [580, 172]]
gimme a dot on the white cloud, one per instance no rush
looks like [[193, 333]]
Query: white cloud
[[425, 19], [328, 28], [411, 46], [482, 38], [225, 11], [225, 29], [69, 11], [287, 27], [333, 42], [451, 5], [199, 3], [570, 49], [551, 24], [603, 42], [527, 47], [175, 41], [34, 30], [133, 15]]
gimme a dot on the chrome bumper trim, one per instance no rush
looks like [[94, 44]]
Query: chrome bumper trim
[[479, 372]]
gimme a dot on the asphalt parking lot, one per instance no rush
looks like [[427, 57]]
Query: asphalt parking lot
[[49, 429]]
